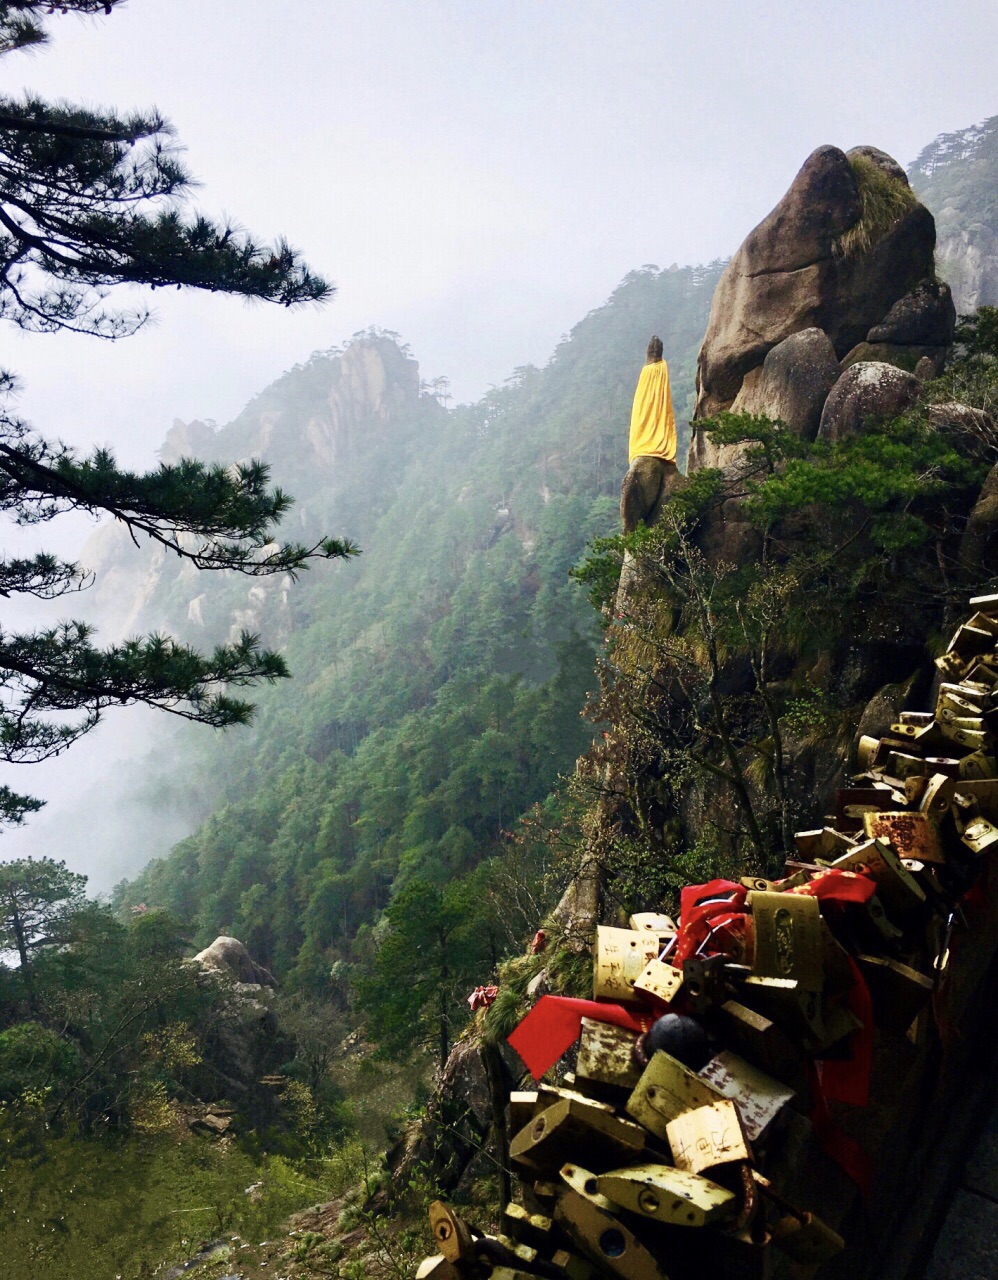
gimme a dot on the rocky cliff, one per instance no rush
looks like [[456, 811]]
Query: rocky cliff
[[317, 428], [956, 176]]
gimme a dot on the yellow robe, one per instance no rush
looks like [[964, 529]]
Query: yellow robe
[[653, 422]]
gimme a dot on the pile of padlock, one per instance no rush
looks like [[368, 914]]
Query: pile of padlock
[[711, 1049]]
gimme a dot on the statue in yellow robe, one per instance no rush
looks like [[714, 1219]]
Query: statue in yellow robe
[[653, 474]]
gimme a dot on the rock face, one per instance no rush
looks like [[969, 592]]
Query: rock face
[[793, 382], [925, 317], [846, 242], [866, 391]]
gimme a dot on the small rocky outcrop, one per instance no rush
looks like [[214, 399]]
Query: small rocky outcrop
[[230, 959], [870, 391], [246, 1042], [926, 317], [918, 329], [846, 242]]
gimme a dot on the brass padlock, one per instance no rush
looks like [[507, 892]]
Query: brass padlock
[[571, 1125], [758, 1096], [606, 1054], [897, 887], [666, 1194], [660, 980], [452, 1234], [620, 955], [665, 1090], [912, 835], [787, 938], [759, 1039], [707, 1136], [588, 1219]]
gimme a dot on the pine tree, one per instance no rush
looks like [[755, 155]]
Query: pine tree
[[91, 199]]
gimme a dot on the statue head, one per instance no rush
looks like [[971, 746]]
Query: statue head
[[654, 350]]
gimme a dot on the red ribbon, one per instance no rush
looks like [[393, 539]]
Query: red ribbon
[[838, 886], [698, 914], [838, 1146], [849, 1080], [555, 1023]]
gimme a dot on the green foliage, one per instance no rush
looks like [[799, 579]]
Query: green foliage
[[99, 1207], [33, 1061], [885, 201], [39, 902]]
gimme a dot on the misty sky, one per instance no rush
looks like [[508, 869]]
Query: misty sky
[[476, 176]]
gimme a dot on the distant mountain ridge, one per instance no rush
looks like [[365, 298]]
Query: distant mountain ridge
[[956, 176]]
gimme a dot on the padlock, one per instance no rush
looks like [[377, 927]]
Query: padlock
[[979, 835], [704, 983], [978, 765], [619, 956], [573, 1125], [707, 1136], [665, 1090], [588, 1218], [787, 938], [660, 980], [522, 1105], [935, 800], [437, 1267], [758, 1096], [653, 922], [970, 642], [666, 1194], [911, 835], [606, 1054], [760, 1040], [897, 887], [451, 1233]]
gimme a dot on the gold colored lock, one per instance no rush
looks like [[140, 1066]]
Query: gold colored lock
[[620, 956], [588, 1218], [659, 979], [665, 1090], [667, 1194], [606, 1054], [787, 930], [707, 1136]]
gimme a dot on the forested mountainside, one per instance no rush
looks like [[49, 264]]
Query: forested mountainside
[[439, 678], [956, 176]]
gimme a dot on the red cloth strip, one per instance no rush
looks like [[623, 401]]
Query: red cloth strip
[[838, 886], [555, 1023], [838, 1146], [697, 911], [849, 1080]]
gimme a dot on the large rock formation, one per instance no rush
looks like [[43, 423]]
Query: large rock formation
[[846, 242]]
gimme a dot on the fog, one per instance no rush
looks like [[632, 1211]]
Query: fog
[[475, 177]]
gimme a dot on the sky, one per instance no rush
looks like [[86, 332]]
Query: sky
[[475, 176]]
